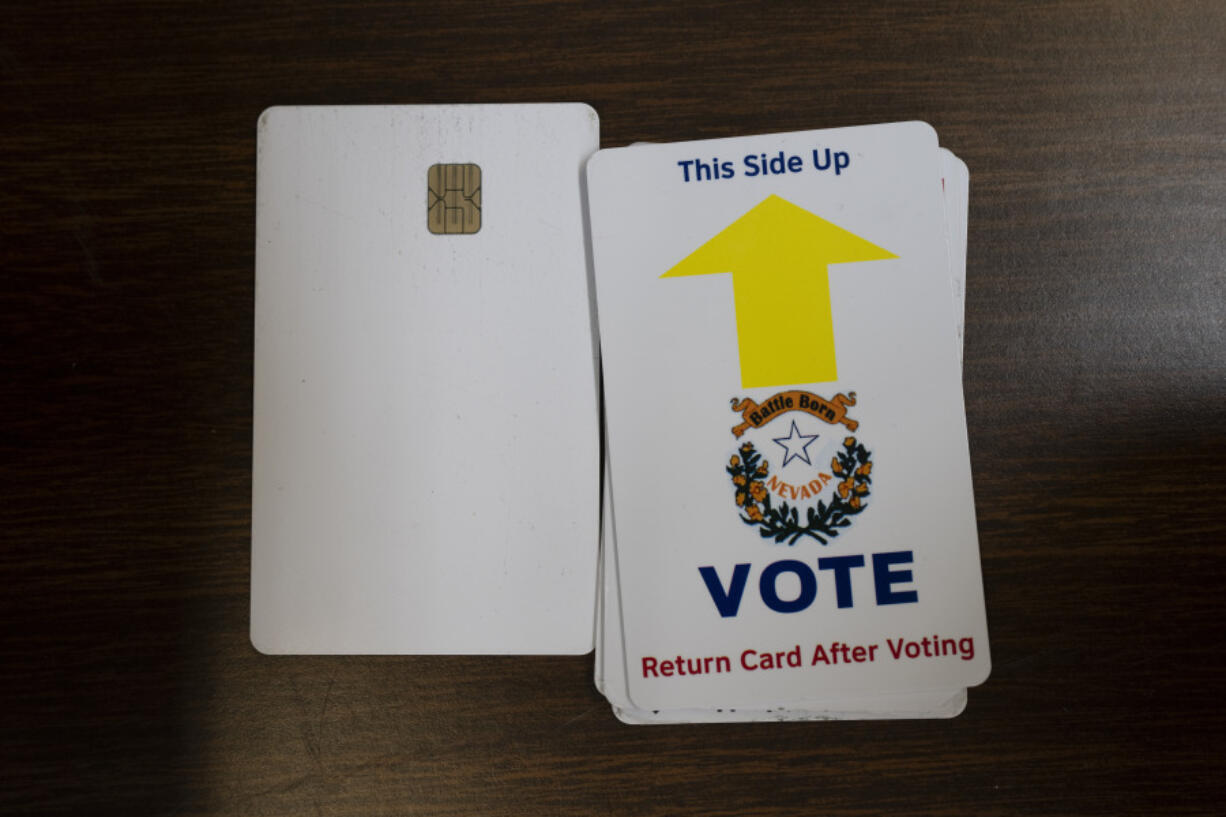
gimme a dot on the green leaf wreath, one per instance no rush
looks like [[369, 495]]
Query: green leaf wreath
[[851, 464]]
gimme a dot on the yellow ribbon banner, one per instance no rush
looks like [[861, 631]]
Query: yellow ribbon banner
[[756, 415]]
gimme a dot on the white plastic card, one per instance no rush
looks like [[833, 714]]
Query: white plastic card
[[610, 668], [426, 463], [721, 547]]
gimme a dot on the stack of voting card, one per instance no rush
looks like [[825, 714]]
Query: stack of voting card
[[788, 528]]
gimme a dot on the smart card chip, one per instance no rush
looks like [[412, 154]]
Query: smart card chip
[[454, 199]]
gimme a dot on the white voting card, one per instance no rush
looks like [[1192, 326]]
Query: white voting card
[[785, 413], [426, 442], [610, 676]]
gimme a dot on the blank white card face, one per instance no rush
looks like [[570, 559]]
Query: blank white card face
[[426, 463]]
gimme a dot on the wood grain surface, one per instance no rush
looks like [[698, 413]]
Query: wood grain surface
[[1095, 385]]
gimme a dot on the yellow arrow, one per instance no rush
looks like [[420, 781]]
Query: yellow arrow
[[778, 255]]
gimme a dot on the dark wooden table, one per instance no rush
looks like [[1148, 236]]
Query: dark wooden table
[[1095, 387]]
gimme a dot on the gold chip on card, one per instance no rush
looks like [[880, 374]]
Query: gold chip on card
[[454, 199]]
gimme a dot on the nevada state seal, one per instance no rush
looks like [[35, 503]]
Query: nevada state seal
[[822, 481]]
